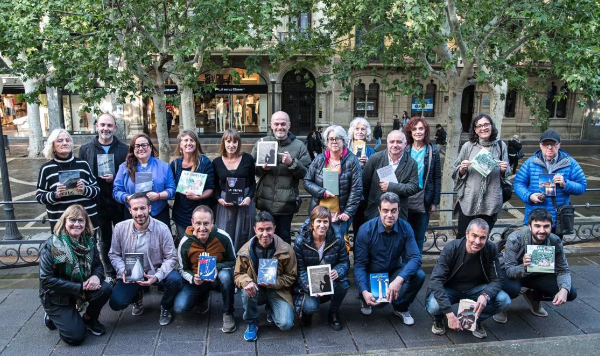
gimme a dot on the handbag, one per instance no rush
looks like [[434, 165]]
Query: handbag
[[565, 218], [506, 185], [416, 203], [520, 154]]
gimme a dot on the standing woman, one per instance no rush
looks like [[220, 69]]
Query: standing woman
[[59, 150], [479, 196], [71, 274], [191, 158], [141, 158], [430, 176], [514, 147], [337, 158], [236, 219]]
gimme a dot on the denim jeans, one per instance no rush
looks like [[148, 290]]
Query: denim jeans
[[544, 287], [340, 228], [281, 311], [408, 291], [126, 293], [496, 305], [419, 222], [312, 304], [377, 144], [192, 294]]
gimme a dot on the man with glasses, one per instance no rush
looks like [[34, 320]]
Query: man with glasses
[[568, 177]]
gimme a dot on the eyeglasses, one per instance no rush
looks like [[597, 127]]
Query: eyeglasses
[[549, 145], [76, 221], [333, 140], [143, 146], [483, 126]]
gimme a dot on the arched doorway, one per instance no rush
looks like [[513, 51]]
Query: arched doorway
[[299, 101], [467, 107]]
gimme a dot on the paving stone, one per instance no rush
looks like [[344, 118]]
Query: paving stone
[[132, 343], [34, 329], [515, 328], [585, 317], [281, 343], [179, 348], [320, 336], [419, 333], [221, 343], [373, 332], [552, 325]]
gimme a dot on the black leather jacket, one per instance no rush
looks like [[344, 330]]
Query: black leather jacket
[[55, 287]]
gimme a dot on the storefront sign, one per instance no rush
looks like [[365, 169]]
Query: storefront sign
[[241, 89], [171, 89], [416, 105]]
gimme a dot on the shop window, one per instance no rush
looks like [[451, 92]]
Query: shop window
[[360, 97], [373, 99], [561, 105], [424, 105], [557, 109], [510, 103]]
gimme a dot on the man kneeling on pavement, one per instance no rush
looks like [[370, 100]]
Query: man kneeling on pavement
[[555, 287], [204, 237], [467, 268]]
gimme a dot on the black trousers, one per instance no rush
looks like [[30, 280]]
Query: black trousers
[[513, 163], [68, 320], [283, 227], [544, 287], [108, 217], [464, 220]]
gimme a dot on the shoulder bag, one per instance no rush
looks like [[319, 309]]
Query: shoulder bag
[[506, 185], [416, 203]]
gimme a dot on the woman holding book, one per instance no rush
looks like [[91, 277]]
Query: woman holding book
[[235, 186], [316, 246], [143, 172], [334, 180], [427, 156], [71, 274], [191, 159], [65, 180], [479, 191]]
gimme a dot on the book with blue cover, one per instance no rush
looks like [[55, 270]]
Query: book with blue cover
[[207, 267], [267, 271], [380, 283], [143, 182]]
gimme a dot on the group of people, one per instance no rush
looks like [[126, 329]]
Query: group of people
[[390, 211]]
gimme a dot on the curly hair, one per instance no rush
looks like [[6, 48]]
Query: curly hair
[[411, 124], [132, 160], [473, 137]]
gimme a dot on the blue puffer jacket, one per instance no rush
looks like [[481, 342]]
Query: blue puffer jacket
[[526, 182]]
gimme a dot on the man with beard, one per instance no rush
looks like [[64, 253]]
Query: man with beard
[[555, 287], [109, 211], [405, 170], [143, 234], [277, 187]]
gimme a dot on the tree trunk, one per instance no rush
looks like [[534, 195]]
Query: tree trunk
[[54, 108], [33, 120], [497, 104], [161, 122], [187, 119]]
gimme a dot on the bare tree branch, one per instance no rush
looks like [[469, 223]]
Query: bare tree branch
[[434, 73], [455, 28], [516, 46]]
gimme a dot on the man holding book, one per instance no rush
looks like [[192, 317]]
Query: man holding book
[[104, 153], [546, 281], [146, 235], [201, 241], [466, 269], [386, 245], [265, 271]]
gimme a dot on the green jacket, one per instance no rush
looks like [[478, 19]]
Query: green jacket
[[277, 188]]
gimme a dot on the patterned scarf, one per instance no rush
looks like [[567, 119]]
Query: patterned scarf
[[484, 180], [76, 257]]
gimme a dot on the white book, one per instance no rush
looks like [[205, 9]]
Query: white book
[[387, 174], [319, 281]]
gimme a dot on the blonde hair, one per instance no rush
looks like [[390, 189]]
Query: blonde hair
[[198, 151], [49, 145], [74, 211]]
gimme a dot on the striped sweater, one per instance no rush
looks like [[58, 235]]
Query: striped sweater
[[48, 182]]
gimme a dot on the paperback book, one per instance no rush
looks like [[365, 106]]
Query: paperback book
[[484, 162], [266, 153], [546, 183], [207, 267], [542, 258], [359, 148], [379, 286], [267, 271], [191, 182], [69, 179], [387, 174], [466, 314], [134, 267], [319, 280], [106, 164], [331, 181], [235, 190], [143, 182]]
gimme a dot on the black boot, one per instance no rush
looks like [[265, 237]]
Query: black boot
[[306, 319], [334, 321]]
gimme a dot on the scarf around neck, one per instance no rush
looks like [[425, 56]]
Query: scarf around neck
[[76, 257]]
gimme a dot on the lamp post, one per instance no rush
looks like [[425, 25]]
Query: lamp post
[[12, 231], [273, 79]]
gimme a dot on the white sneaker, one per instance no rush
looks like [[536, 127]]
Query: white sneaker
[[364, 308], [406, 317]]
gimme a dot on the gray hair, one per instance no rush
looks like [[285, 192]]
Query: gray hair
[[390, 198], [48, 151], [356, 121], [480, 223], [338, 131], [402, 135]]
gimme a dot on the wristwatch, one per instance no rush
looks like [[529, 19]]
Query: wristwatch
[[486, 296]]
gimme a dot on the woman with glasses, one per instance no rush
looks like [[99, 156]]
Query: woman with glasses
[[479, 193], [65, 180], [71, 274], [141, 159], [191, 159], [337, 168]]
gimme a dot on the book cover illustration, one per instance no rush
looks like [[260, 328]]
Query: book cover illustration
[[191, 182], [331, 181], [387, 174], [542, 258], [134, 267], [267, 271], [143, 182], [69, 179], [106, 164], [266, 153], [207, 267], [359, 148], [379, 286], [546, 183], [484, 162], [235, 190], [466, 314], [319, 280]]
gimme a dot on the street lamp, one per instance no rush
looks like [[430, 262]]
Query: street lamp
[[12, 231], [273, 79]]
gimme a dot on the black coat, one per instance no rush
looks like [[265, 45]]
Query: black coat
[[514, 147], [350, 183], [377, 132], [433, 188]]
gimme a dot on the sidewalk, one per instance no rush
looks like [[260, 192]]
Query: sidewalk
[[22, 331]]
